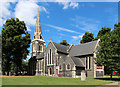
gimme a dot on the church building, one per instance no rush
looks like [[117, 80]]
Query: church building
[[62, 61]]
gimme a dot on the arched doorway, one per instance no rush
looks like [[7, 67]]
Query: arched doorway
[[50, 71]]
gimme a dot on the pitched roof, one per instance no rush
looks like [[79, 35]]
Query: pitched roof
[[61, 48], [83, 49], [77, 61]]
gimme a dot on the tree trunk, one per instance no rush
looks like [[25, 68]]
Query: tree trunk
[[3, 72], [111, 75], [16, 73], [7, 73]]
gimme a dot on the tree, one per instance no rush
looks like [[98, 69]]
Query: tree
[[64, 42], [102, 32], [108, 54], [87, 37], [25, 66], [15, 43]]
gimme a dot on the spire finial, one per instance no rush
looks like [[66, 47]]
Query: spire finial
[[38, 13], [50, 38], [38, 9]]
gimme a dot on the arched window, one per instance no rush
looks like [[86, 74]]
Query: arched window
[[60, 67], [40, 37], [68, 66], [89, 62], [40, 48], [49, 58]]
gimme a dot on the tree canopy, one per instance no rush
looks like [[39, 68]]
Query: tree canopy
[[15, 43], [108, 54], [102, 32], [64, 42], [87, 37]]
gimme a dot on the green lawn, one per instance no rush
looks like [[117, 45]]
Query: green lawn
[[41, 80]]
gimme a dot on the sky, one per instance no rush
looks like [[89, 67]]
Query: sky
[[62, 20]]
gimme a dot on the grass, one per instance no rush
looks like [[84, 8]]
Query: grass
[[41, 80]]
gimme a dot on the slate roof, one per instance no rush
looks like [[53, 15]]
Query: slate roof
[[83, 49], [61, 48], [40, 56], [77, 61]]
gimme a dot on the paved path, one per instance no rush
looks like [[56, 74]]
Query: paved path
[[116, 84]]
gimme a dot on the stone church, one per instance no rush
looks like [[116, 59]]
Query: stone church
[[62, 61]]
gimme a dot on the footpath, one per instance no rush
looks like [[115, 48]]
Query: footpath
[[116, 84]]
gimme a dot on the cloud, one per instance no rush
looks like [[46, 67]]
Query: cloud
[[85, 24], [67, 5], [74, 4], [4, 10], [27, 11], [28, 28], [1, 21], [78, 37], [63, 29], [28, 56], [62, 34]]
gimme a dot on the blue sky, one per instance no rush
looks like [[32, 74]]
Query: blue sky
[[62, 20]]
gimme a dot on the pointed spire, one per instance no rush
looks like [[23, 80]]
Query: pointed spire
[[50, 39], [38, 13], [38, 33]]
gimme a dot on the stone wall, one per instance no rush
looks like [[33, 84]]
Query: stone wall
[[89, 72], [54, 57], [64, 60]]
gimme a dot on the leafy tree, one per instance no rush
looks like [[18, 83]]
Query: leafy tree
[[102, 32], [64, 42], [15, 43], [25, 66], [108, 54], [87, 37]]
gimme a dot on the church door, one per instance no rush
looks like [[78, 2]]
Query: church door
[[50, 71]]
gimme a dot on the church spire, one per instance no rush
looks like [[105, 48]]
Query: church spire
[[38, 33]]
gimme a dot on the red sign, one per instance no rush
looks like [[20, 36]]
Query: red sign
[[115, 72], [99, 67]]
